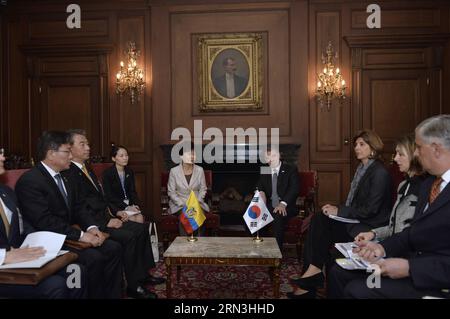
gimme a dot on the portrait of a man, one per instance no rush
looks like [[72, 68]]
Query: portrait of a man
[[229, 70], [230, 84]]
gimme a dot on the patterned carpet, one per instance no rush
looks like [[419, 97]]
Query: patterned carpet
[[228, 282]]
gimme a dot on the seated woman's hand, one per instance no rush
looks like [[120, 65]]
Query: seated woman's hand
[[114, 223], [122, 215], [133, 208], [367, 236]]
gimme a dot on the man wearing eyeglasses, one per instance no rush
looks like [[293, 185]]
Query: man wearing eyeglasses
[[50, 202], [12, 232]]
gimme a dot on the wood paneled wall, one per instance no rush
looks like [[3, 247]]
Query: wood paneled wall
[[285, 100], [61, 78], [50, 73]]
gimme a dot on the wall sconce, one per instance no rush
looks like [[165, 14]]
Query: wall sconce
[[330, 84], [130, 78]]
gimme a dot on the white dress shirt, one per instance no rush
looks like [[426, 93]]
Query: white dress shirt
[[53, 174], [230, 85], [276, 170]]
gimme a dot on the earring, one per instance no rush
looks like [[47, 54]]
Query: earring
[[372, 154]]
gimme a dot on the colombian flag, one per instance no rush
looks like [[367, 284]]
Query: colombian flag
[[192, 216]]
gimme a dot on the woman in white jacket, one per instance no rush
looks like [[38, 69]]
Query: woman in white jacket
[[182, 179]]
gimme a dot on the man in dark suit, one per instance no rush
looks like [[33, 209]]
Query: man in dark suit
[[284, 179], [417, 260], [50, 202], [134, 237], [12, 233], [230, 85]]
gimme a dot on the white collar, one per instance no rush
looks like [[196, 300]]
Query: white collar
[[276, 169], [80, 166], [50, 170], [446, 176]]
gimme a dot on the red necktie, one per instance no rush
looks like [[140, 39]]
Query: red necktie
[[435, 189]]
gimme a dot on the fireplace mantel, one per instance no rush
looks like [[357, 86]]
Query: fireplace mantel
[[242, 152]]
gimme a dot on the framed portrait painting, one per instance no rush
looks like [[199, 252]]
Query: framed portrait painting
[[230, 72]]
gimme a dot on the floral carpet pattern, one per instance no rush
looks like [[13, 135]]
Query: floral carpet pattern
[[227, 282]]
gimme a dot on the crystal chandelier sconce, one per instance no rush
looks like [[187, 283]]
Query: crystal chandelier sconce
[[130, 79], [330, 85]]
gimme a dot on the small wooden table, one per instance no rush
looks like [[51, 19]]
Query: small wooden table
[[224, 251], [33, 276]]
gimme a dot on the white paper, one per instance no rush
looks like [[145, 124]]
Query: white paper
[[344, 220], [349, 264], [346, 248], [131, 213], [51, 242], [351, 260]]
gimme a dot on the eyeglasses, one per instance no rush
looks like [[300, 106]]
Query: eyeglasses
[[67, 152]]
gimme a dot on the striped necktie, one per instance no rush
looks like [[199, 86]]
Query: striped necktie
[[435, 189], [5, 220], [85, 171]]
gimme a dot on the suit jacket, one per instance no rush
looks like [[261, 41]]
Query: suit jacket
[[92, 198], [43, 205], [220, 84], [288, 188], [371, 204], [426, 243], [16, 233], [113, 188], [403, 212], [178, 189]]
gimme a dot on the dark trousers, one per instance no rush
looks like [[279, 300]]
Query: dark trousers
[[52, 287], [323, 233], [353, 284], [137, 251], [104, 267], [276, 228]]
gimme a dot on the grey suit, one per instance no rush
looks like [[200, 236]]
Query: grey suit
[[404, 208]]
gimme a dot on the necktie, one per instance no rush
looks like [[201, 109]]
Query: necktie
[[59, 182], [85, 171], [5, 220], [435, 190], [275, 198]]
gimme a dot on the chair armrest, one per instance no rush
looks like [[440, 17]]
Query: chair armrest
[[32, 276]]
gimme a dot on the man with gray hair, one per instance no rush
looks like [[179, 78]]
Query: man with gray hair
[[415, 262]]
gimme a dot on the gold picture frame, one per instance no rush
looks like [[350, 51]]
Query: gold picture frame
[[230, 72]]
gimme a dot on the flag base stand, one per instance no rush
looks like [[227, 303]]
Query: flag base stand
[[257, 239], [192, 239]]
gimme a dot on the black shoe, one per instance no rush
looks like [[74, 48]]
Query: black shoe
[[150, 280], [311, 282], [141, 293], [311, 294]]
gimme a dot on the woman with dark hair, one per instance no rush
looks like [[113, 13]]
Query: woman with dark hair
[[368, 201], [407, 192], [119, 187], [183, 179]]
